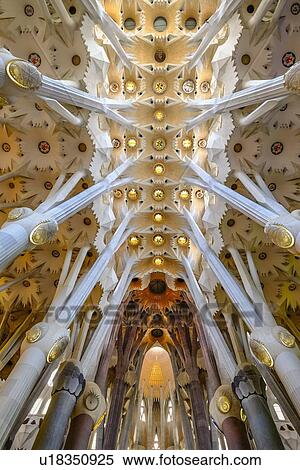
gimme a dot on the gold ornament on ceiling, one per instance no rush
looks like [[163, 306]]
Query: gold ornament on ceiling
[[158, 261], [131, 142], [159, 144], [134, 241], [158, 240], [158, 217], [183, 241], [23, 74], [159, 86], [159, 169], [184, 194], [158, 194], [159, 115], [130, 87], [133, 194]]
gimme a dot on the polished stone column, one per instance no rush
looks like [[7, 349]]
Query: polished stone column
[[90, 408], [226, 412], [249, 387], [68, 386]]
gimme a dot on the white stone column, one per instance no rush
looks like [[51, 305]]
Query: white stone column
[[263, 90], [19, 77], [26, 229], [272, 345], [45, 342], [283, 228], [211, 327]]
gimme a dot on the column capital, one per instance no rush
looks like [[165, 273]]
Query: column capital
[[247, 382], [50, 339], [267, 343], [224, 404], [91, 403], [69, 378], [292, 79]]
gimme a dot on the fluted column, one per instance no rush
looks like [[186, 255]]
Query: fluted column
[[68, 386], [283, 227], [226, 412], [249, 387], [89, 409], [263, 90]]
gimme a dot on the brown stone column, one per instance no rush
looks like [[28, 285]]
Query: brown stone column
[[226, 411], [89, 409], [184, 337], [128, 342]]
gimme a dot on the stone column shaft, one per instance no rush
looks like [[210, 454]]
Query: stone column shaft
[[250, 390], [67, 387]]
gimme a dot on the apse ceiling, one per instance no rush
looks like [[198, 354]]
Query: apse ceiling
[[159, 77]]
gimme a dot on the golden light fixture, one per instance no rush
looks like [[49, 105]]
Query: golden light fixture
[[158, 194], [133, 194], [280, 235], [130, 87], [158, 240], [159, 86], [131, 142], [134, 241], [187, 143], [159, 169], [158, 261], [184, 194], [159, 115], [183, 241], [118, 193], [158, 217], [159, 144]]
